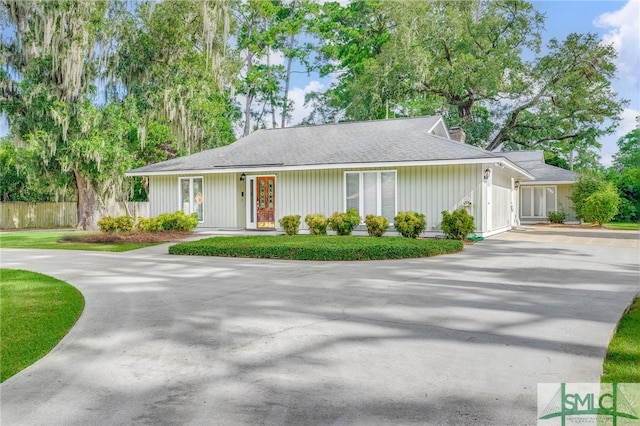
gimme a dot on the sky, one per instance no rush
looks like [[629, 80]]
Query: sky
[[616, 21]]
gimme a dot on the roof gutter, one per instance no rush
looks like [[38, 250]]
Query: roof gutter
[[508, 164], [271, 168], [549, 182]]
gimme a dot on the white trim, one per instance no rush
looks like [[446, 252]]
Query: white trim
[[394, 164], [546, 208], [378, 173], [248, 199], [489, 199], [494, 231], [514, 167], [549, 182], [440, 122], [191, 198]]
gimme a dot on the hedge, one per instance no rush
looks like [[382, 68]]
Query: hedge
[[316, 247]]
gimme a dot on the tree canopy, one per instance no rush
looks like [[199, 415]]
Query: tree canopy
[[91, 89]]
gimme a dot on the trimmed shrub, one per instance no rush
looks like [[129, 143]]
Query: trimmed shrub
[[602, 205], [376, 225], [317, 223], [556, 217], [290, 224], [410, 224], [149, 224], [344, 223], [177, 221], [457, 225], [183, 222], [107, 224], [314, 247], [124, 223], [110, 224]]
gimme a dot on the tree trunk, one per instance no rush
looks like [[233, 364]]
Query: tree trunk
[[287, 80], [90, 206], [248, 100]]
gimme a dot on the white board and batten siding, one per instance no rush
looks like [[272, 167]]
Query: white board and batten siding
[[428, 190], [219, 197], [501, 200], [306, 192], [564, 202]]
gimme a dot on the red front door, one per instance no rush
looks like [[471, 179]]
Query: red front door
[[266, 202]]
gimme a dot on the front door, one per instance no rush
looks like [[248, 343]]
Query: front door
[[266, 202]]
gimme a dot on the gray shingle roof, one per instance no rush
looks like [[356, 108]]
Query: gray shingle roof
[[533, 162], [398, 140]]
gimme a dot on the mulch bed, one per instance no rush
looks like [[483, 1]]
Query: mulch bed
[[130, 237]]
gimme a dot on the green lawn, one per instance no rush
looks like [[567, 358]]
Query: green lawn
[[622, 363], [51, 240], [36, 311], [625, 226], [315, 247]]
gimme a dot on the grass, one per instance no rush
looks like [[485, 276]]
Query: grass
[[622, 363], [36, 311], [52, 240], [315, 247], [624, 226]]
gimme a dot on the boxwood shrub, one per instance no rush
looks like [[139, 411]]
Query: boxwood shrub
[[376, 225], [110, 224], [344, 223], [410, 224], [457, 225], [317, 223], [290, 224], [317, 247]]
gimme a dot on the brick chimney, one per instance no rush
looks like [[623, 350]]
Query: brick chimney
[[457, 134]]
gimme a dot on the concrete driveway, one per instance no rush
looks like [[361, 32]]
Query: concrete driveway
[[458, 339]]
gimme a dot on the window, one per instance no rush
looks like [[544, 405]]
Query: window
[[371, 193], [191, 196], [537, 201]]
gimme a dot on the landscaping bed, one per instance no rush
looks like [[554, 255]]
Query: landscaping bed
[[128, 237], [316, 247]]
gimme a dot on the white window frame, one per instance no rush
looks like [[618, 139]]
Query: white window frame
[[546, 208], [378, 173], [191, 195]]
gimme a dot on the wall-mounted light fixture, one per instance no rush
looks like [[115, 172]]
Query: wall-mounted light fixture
[[516, 184], [243, 177], [487, 173]]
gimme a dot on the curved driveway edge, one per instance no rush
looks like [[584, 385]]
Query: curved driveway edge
[[457, 339]]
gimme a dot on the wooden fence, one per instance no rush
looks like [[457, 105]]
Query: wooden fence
[[57, 215]]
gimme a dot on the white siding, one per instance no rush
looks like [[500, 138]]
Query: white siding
[[163, 194], [428, 190], [309, 192], [564, 203], [501, 206], [220, 194]]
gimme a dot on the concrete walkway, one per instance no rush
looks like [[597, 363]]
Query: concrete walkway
[[459, 339]]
